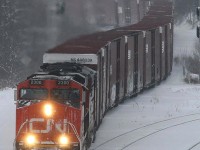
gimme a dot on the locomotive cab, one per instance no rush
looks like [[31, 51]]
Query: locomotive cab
[[54, 111]]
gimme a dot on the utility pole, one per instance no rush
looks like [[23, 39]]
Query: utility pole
[[117, 13], [138, 9], [198, 25]]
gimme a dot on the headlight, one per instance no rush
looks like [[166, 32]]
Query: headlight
[[64, 140], [30, 140], [48, 110]]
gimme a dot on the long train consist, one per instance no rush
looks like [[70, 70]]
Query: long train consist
[[63, 105]]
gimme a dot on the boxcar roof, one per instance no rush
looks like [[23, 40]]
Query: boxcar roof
[[88, 43]]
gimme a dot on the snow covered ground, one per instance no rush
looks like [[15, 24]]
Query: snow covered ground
[[166, 117], [7, 119]]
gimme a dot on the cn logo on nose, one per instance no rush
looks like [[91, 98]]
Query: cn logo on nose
[[45, 125]]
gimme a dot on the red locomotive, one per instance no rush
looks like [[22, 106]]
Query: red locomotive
[[63, 105], [55, 108]]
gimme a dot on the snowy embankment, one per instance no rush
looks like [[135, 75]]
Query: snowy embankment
[[166, 117], [7, 119]]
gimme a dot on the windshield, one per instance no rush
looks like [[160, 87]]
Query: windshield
[[30, 96], [33, 94], [67, 96]]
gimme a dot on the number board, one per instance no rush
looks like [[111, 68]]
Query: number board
[[63, 82], [36, 82]]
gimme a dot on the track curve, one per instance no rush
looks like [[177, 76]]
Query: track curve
[[138, 134]]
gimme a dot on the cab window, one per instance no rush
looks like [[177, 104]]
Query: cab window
[[30, 96], [67, 96], [33, 94]]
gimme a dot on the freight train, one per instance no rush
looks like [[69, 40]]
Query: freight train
[[63, 104]]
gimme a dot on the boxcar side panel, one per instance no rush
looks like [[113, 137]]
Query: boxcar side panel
[[166, 50], [135, 74], [157, 55], [104, 79], [108, 75], [130, 67], [169, 47], [148, 62], [101, 82], [98, 91], [122, 68], [172, 43], [113, 72], [163, 68], [153, 47], [140, 61]]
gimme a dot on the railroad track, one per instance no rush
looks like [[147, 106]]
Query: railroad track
[[194, 146], [172, 122]]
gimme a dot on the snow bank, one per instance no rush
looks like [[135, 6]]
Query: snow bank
[[7, 119]]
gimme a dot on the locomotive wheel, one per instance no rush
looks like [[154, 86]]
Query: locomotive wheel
[[18, 147], [22, 148], [93, 136]]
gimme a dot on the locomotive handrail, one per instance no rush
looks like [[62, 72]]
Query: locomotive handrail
[[22, 125], [75, 131]]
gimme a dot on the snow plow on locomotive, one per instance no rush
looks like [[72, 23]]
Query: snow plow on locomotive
[[63, 105]]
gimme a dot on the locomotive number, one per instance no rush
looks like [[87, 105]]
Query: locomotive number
[[36, 82], [81, 60], [63, 82]]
